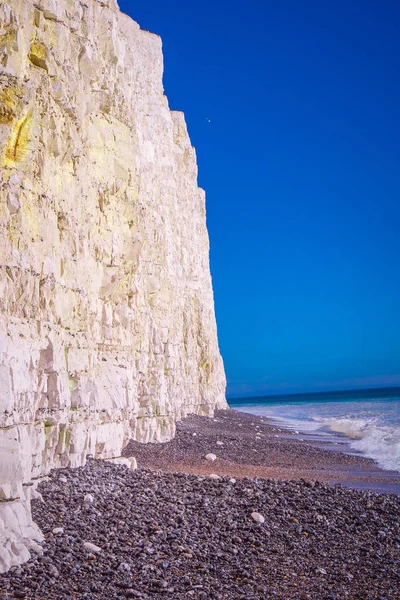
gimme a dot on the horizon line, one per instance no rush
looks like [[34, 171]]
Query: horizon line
[[332, 392]]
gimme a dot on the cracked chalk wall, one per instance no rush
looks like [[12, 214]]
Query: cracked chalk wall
[[107, 325]]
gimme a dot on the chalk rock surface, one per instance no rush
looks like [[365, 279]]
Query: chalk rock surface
[[107, 326]]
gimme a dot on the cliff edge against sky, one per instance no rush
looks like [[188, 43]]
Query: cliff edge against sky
[[107, 326]]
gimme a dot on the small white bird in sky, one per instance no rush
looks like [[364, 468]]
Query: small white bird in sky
[[208, 120]]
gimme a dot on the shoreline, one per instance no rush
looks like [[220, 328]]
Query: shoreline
[[254, 446], [372, 477], [268, 524]]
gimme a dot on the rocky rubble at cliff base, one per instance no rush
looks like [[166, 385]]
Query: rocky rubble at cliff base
[[153, 535]]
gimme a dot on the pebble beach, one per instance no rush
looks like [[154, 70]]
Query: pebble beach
[[263, 516]]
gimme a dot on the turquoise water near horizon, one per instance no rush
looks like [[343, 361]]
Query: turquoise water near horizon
[[370, 419]]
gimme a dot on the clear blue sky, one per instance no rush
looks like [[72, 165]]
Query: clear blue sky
[[301, 165]]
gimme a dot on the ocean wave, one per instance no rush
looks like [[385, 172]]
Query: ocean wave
[[371, 428], [370, 437]]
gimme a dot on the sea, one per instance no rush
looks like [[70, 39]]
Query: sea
[[367, 420]]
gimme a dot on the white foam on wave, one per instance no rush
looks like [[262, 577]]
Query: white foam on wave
[[372, 428], [374, 440], [353, 428]]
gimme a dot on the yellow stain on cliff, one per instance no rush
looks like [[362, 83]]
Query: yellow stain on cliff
[[18, 144], [10, 104], [8, 36], [15, 238], [38, 55]]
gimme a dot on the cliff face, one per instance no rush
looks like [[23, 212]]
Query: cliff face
[[107, 327]]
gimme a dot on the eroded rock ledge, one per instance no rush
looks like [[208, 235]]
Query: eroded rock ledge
[[107, 326]]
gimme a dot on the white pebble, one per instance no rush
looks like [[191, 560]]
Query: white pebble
[[63, 479], [92, 547], [194, 434], [214, 476], [232, 480], [219, 443], [88, 498], [211, 457], [58, 530], [257, 517]]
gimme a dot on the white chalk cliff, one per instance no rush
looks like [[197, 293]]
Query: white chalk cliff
[[107, 326]]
